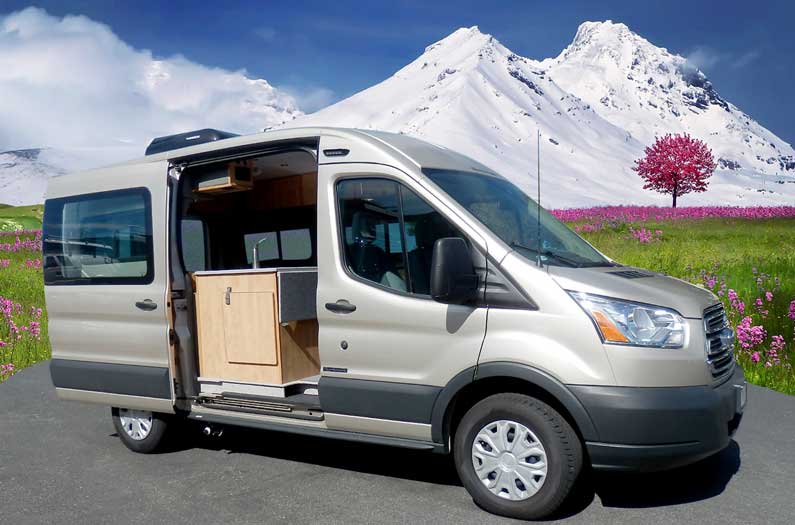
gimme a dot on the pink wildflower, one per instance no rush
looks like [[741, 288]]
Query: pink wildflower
[[749, 335]]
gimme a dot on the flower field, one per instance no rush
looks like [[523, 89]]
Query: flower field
[[746, 256], [23, 322]]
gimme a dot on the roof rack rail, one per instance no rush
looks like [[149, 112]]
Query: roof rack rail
[[183, 140]]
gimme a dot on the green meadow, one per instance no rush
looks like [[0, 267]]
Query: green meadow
[[754, 258]]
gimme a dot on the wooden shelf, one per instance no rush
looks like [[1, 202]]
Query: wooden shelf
[[239, 176]]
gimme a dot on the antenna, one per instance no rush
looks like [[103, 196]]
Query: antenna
[[538, 201]]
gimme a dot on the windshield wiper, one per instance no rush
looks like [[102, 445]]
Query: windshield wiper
[[549, 254]]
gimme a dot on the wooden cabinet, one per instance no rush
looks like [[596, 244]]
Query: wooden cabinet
[[240, 338], [230, 177]]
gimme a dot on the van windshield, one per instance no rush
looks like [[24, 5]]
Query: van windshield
[[514, 217]]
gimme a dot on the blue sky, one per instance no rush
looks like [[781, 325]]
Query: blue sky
[[324, 51]]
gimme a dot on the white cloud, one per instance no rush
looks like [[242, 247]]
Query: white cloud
[[311, 98], [745, 59], [704, 57], [72, 83], [268, 34]]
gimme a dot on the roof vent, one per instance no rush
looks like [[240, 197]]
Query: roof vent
[[183, 140], [632, 274]]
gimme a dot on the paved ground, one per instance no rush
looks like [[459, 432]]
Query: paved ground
[[61, 463]]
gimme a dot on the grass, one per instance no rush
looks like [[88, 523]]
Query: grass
[[20, 217], [747, 255], [744, 255], [21, 297]]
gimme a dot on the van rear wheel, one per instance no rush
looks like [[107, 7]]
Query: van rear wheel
[[517, 456], [140, 430]]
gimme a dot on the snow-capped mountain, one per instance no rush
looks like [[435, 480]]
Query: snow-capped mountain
[[597, 104], [649, 91], [24, 174]]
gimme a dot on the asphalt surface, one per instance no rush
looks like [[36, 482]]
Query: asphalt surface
[[62, 463]]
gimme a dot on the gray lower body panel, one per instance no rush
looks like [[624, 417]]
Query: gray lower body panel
[[130, 380], [660, 428], [378, 399]]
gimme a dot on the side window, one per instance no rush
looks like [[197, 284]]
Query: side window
[[389, 233], [268, 246], [290, 245], [296, 244], [423, 226], [194, 248], [370, 219], [100, 238]]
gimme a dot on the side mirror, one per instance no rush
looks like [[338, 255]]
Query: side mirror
[[453, 277]]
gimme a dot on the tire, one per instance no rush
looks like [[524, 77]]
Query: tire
[[141, 431], [517, 488]]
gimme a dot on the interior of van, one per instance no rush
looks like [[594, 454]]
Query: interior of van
[[248, 244]]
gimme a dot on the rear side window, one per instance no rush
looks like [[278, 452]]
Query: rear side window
[[99, 238], [194, 245]]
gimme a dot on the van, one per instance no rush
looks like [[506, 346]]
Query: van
[[376, 288]]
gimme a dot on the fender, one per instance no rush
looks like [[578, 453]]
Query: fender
[[517, 371]]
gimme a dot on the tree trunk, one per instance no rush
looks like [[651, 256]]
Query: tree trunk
[[676, 188]]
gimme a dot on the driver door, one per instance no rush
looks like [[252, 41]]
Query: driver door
[[386, 347]]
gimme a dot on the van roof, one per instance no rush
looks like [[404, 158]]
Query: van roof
[[404, 148]]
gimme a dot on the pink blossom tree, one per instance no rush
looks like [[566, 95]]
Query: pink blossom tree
[[676, 165]]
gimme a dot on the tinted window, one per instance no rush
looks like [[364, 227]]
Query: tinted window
[[194, 251], [290, 245], [389, 233], [423, 226], [268, 249], [100, 238], [370, 219], [296, 244], [516, 219]]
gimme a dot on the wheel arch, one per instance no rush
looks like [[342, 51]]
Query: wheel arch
[[476, 383]]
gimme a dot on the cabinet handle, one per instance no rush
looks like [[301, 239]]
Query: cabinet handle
[[228, 295]]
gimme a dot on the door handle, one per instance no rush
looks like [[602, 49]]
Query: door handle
[[341, 307], [146, 305]]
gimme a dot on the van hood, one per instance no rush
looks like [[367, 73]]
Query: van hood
[[635, 284]]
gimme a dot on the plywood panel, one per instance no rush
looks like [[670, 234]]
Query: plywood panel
[[213, 344], [243, 341], [285, 192], [299, 350], [250, 328]]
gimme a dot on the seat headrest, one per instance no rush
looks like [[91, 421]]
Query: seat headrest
[[363, 227]]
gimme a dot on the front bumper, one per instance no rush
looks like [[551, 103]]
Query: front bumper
[[646, 429]]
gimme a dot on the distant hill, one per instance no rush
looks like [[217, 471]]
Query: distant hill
[[20, 217]]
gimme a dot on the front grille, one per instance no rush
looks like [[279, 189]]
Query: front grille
[[719, 342]]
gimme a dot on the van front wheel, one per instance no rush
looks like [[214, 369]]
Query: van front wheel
[[140, 430], [517, 456]]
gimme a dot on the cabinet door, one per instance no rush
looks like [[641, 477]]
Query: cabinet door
[[250, 330]]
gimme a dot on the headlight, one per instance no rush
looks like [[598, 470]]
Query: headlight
[[625, 322]]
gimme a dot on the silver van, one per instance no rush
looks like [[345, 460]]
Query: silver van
[[373, 287]]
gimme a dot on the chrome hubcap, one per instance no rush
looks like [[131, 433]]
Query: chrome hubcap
[[136, 423], [509, 460]]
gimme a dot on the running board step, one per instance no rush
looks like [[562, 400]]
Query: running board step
[[254, 405], [229, 419]]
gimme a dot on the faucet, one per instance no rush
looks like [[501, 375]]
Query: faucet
[[255, 253]]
